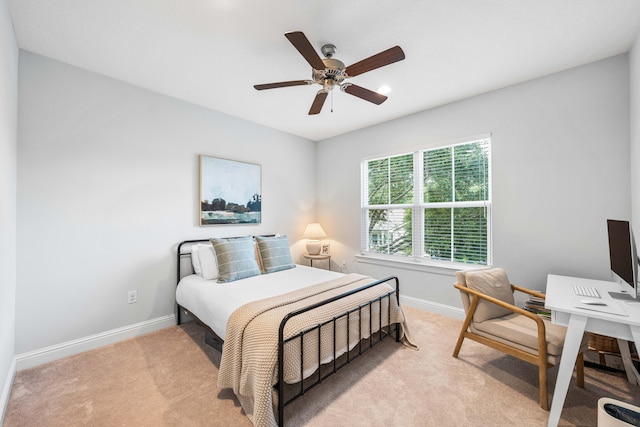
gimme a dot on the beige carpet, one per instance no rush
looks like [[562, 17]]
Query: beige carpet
[[168, 378]]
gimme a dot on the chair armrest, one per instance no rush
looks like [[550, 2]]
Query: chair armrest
[[528, 291]]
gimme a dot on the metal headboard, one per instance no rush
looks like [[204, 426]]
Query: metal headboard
[[180, 255]]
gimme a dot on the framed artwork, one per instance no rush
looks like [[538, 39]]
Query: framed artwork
[[325, 249], [230, 192]]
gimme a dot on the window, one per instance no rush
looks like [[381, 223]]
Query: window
[[429, 204]]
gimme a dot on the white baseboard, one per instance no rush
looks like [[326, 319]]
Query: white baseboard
[[433, 307], [69, 348], [6, 390]]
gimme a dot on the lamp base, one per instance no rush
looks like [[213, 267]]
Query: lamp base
[[313, 247]]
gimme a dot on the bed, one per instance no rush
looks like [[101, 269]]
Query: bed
[[286, 328]]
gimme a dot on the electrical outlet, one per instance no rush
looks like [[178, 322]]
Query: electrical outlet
[[343, 266], [132, 297]]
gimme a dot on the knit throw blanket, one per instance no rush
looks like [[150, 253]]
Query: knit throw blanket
[[250, 355]]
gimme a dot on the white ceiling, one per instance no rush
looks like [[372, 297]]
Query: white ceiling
[[212, 52]]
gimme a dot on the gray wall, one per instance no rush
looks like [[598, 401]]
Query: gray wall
[[107, 187], [560, 168], [8, 144]]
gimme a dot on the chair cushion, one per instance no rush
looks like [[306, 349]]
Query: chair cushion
[[521, 331], [492, 282], [460, 278], [494, 329]]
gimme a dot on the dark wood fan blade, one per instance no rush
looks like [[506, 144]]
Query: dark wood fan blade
[[318, 102], [366, 94], [301, 42], [282, 84], [381, 59]]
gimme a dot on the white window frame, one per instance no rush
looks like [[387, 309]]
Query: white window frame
[[418, 206]]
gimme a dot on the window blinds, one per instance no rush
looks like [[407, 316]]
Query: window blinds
[[446, 191]]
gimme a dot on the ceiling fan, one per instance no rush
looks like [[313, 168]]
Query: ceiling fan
[[330, 72]]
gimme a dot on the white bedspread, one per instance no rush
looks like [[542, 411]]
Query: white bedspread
[[213, 302]]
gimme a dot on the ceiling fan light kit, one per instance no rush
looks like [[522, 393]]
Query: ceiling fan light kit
[[330, 72]]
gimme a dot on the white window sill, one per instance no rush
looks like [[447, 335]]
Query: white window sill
[[426, 266]]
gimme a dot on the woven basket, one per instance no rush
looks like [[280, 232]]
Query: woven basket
[[603, 343]]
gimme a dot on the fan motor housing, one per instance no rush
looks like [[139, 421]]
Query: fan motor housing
[[334, 70]]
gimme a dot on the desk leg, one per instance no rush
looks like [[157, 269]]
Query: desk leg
[[573, 338], [632, 373]]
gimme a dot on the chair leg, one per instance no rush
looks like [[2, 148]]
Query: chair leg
[[465, 324], [456, 350], [544, 394], [580, 370]]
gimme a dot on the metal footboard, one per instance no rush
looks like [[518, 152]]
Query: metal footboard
[[384, 329], [361, 347]]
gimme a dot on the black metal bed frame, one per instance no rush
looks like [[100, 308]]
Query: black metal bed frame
[[363, 345]]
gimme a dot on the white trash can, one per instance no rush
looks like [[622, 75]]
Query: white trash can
[[614, 413]]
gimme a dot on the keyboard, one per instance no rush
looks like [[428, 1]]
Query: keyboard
[[586, 291]]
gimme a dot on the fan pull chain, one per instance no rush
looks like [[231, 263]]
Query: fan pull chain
[[332, 101]]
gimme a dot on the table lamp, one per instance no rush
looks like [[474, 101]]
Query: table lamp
[[313, 232]]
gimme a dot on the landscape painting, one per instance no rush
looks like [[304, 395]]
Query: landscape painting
[[230, 192]]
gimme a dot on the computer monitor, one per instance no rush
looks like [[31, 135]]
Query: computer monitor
[[623, 258]]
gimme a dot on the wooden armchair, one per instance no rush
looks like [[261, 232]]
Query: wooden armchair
[[493, 319]]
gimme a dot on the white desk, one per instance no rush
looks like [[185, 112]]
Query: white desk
[[562, 301]]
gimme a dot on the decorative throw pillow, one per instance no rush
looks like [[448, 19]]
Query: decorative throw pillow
[[495, 283], [208, 264], [274, 253], [236, 258]]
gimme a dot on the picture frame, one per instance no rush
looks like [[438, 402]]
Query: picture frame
[[230, 192], [325, 250]]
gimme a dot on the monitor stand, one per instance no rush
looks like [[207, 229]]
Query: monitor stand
[[621, 296]]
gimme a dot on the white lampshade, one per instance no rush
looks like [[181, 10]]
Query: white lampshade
[[313, 231]]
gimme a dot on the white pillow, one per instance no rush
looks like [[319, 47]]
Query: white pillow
[[208, 263], [195, 260]]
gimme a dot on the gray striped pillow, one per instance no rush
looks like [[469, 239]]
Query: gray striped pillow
[[274, 253], [236, 258]]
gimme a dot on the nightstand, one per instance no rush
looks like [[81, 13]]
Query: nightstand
[[312, 258]]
